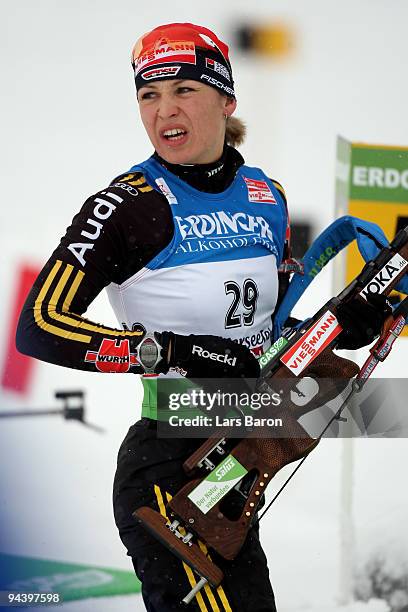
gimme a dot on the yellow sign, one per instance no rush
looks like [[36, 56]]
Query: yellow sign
[[372, 183]]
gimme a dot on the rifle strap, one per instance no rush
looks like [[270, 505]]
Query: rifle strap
[[370, 240]]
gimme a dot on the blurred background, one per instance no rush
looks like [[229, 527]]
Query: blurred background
[[305, 73]]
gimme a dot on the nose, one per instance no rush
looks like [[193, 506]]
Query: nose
[[167, 107]]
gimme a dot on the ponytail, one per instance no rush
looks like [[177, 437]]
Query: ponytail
[[235, 131]]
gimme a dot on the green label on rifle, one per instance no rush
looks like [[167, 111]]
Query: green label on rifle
[[272, 352], [217, 484]]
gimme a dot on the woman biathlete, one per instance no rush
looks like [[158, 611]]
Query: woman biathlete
[[188, 244]]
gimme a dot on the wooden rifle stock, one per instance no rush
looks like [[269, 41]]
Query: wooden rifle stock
[[305, 352]]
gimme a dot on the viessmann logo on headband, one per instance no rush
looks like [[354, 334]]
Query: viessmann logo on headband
[[165, 50]]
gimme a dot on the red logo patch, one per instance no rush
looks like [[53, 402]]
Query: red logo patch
[[113, 356], [167, 51], [312, 343], [259, 191]]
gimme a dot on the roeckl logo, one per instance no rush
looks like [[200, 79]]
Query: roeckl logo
[[112, 356], [231, 361], [312, 343], [160, 72], [386, 275]]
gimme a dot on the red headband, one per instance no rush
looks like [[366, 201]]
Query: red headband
[[183, 51]]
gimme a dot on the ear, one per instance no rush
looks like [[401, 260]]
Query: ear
[[230, 104]]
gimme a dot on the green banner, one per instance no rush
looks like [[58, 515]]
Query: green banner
[[379, 174], [70, 580]]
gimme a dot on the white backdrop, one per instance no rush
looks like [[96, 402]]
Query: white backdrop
[[69, 124]]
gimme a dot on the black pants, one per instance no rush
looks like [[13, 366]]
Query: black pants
[[149, 472]]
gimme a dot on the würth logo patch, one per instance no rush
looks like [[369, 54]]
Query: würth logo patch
[[259, 191], [112, 356]]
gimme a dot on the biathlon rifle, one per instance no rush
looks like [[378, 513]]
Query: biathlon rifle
[[303, 352]]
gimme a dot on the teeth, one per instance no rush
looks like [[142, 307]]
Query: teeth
[[174, 132]]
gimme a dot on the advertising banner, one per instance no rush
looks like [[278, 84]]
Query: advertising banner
[[371, 183]]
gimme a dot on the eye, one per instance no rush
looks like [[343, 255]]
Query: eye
[[147, 95], [184, 89]]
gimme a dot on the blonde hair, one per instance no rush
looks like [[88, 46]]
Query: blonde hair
[[235, 131]]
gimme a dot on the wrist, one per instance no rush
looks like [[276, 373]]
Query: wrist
[[149, 353]]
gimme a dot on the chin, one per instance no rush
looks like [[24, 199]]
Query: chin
[[177, 157]]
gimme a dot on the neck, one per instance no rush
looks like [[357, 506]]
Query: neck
[[212, 178]]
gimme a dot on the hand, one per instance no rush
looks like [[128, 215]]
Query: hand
[[362, 320], [206, 356]]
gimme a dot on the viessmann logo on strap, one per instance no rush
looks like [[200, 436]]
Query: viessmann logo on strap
[[167, 51], [312, 343]]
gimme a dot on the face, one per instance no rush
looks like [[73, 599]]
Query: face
[[185, 120]]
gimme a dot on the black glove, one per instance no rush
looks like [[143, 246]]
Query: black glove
[[206, 356], [362, 320]]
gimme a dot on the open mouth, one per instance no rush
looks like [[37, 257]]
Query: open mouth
[[174, 135]]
